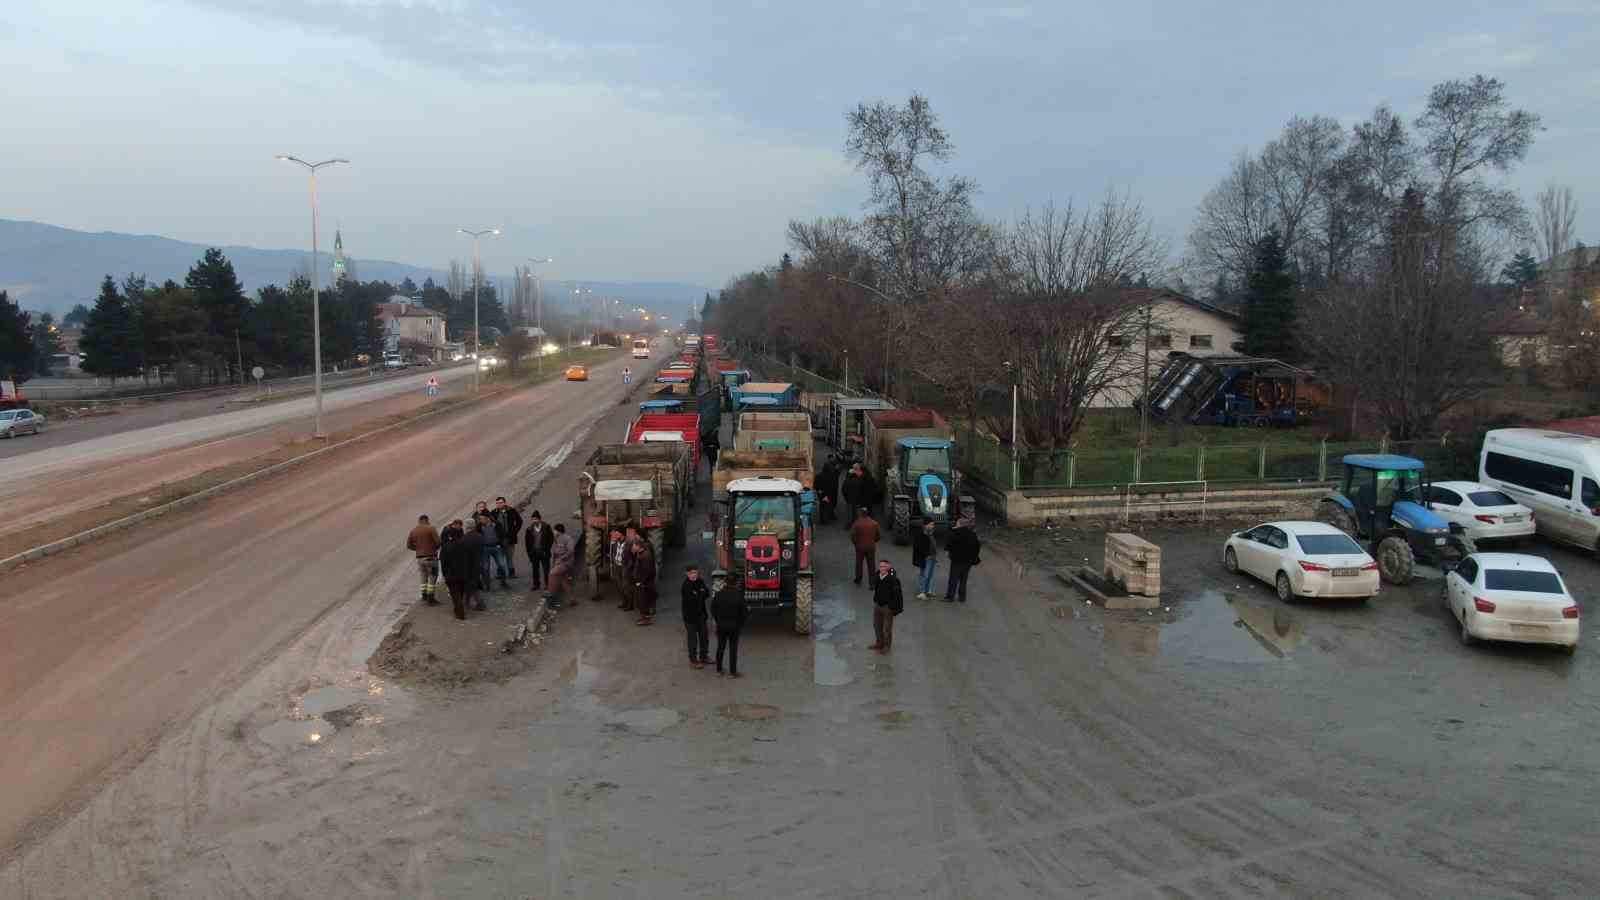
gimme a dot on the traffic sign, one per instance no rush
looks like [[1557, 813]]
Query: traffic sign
[[258, 373], [627, 375]]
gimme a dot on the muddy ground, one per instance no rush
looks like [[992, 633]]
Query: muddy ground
[[1023, 744]]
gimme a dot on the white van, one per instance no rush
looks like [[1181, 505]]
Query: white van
[[1555, 474]]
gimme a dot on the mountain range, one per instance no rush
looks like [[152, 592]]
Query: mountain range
[[46, 268]]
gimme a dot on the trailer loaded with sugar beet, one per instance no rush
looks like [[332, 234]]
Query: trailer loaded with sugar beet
[[912, 456], [644, 485]]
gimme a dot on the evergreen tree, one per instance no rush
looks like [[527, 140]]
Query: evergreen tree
[[1522, 271], [408, 287], [1269, 302], [76, 317], [280, 325], [18, 356], [172, 329], [46, 343], [110, 341], [222, 300]]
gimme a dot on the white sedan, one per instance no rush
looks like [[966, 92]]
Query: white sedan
[[1511, 597], [20, 421], [1487, 514], [1303, 559]]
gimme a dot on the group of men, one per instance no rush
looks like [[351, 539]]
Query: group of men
[[630, 564], [472, 553], [852, 484]]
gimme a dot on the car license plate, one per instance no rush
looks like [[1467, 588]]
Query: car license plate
[[1346, 573], [1439, 541], [1512, 518], [1528, 629], [761, 595]]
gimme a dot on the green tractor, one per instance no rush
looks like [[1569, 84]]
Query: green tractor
[[1383, 500]]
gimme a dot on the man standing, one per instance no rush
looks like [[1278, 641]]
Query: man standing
[[962, 548], [561, 563], [644, 580], [537, 541], [864, 536], [472, 545], [854, 497], [630, 542], [618, 576], [887, 602], [925, 556], [460, 565], [695, 612], [710, 446], [455, 531], [492, 551], [827, 485], [728, 611], [424, 542], [509, 523]]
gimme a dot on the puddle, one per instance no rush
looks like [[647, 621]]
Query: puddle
[[829, 669], [895, 719], [1228, 628], [325, 699], [747, 712], [296, 732], [645, 721]]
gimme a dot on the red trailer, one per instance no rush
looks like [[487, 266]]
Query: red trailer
[[652, 427]]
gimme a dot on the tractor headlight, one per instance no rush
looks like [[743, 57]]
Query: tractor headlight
[[1437, 530]]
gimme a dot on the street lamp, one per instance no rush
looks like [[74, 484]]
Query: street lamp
[[477, 276], [538, 304], [316, 280], [1011, 375], [577, 305]]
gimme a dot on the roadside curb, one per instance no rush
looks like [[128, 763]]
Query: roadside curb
[[100, 531]]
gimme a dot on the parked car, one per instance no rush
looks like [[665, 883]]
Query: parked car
[[20, 421], [577, 373], [1555, 474], [1303, 559], [1511, 597], [1487, 514]]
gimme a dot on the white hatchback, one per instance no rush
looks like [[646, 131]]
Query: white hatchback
[[1488, 514], [1303, 559], [1511, 597]]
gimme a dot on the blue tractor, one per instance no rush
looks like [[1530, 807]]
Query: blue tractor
[[925, 485], [1383, 500]]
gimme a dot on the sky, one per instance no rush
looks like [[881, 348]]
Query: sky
[[674, 141]]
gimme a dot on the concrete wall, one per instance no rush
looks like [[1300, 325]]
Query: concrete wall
[[1035, 507]]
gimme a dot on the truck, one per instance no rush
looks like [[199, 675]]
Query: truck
[[667, 427], [11, 397], [847, 423], [764, 537], [774, 431], [910, 453], [643, 485]]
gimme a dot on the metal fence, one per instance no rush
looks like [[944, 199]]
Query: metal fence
[[1215, 465]]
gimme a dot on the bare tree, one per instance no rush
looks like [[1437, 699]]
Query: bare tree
[[1554, 220], [1231, 219], [1468, 130]]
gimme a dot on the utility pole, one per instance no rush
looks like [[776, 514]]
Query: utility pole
[[238, 352], [316, 281], [477, 276]]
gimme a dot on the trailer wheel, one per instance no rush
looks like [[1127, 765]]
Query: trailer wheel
[[900, 522], [802, 604]]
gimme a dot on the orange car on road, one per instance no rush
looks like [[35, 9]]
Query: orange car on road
[[577, 373]]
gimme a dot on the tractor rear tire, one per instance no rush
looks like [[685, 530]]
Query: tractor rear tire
[[900, 522], [1396, 563], [1331, 513], [802, 604]]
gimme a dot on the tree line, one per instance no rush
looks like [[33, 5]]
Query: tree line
[[27, 347], [1371, 256], [208, 330]]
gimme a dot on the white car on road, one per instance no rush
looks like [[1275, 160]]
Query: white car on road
[[20, 421], [1487, 513], [1511, 597], [1303, 559]]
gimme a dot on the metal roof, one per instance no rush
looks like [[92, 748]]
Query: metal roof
[[765, 484], [1382, 461], [925, 443]]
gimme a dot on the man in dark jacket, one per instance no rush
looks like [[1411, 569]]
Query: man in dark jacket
[[864, 535], [494, 555], [644, 580], [925, 556], [537, 541], [630, 541], [710, 446], [962, 549], [695, 612], [424, 542], [455, 531], [509, 523], [887, 602], [463, 563], [853, 492], [728, 611], [827, 487]]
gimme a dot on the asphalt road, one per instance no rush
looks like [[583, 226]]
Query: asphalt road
[[108, 647], [1019, 745], [85, 464]]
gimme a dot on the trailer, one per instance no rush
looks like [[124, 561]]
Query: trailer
[[732, 464], [774, 431], [677, 398], [644, 485], [847, 422], [655, 428], [782, 394], [912, 454], [1228, 390]]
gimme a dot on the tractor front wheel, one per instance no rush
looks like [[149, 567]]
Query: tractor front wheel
[[900, 522], [1395, 560], [802, 604], [1331, 513]]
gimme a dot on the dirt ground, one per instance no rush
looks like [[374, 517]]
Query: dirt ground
[[1022, 744]]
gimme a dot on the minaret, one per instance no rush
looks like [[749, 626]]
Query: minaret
[[338, 256]]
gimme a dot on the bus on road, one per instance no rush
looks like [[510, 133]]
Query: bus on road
[[641, 349]]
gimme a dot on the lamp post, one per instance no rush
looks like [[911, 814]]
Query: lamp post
[[577, 304], [538, 304], [316, 280], [1011, 374], [477, 276], [888, 333]]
